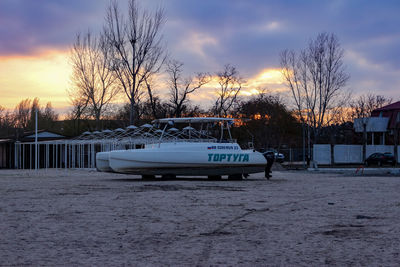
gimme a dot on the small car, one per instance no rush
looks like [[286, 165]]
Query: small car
[[279, 157], [380, 159]]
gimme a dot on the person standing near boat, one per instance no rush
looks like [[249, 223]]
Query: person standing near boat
[[270, 157]]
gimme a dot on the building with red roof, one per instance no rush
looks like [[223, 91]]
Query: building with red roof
[[392, 112]]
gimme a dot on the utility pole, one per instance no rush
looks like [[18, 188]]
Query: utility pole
[[36, 139], [308, 139], [304, 145], [364, 122], [396, 142]]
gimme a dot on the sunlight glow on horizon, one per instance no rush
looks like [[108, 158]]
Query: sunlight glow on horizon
[[44, 74], [268, 79]]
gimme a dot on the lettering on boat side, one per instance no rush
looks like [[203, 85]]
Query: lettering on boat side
[[224, 147], [228, 157]]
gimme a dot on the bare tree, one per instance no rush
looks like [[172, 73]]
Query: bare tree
[[92, 75], [365, 104], [48, 117], [137, 50], [25, 115], [2, 113], [79, 107], [22, 113], [153, 99], [230, 84], [35, 107], [6, 122], [181, 88], [316, 78]]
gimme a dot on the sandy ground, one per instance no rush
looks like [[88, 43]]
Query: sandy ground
[[82, 217]]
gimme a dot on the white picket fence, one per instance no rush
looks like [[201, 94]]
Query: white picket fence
[[348, 153]]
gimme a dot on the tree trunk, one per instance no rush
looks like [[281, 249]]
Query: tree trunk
[[132, 113], [97, 115]]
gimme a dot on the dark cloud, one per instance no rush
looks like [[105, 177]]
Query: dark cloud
[[26, 25], [207, 34], [251, 34]]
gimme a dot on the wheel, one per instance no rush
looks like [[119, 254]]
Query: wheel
[[148, 177], [235, 176], [380, 163], [214, 177]]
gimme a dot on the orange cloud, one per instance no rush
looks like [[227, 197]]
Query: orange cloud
[[268, 78], [44, 74], [265, 77]]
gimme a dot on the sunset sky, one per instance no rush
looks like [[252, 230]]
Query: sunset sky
[[36, 35]]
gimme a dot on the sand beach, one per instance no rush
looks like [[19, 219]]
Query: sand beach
[[298, 218]]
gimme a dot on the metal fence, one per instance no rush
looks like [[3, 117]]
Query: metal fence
[[347, 154], [80, 152]]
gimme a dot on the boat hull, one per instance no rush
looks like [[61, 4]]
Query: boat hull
[[102, 162], [207, 170], [198, 159]]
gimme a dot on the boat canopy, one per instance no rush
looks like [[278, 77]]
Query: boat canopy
[[193, 120]]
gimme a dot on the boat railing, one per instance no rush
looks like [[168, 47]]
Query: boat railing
[[196, 140]]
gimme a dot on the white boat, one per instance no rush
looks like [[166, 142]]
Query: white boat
[[102, 162], [194, 155]]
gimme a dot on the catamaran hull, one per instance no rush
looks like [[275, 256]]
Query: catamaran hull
[[197, 161], [102, 162], [206, 170]]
